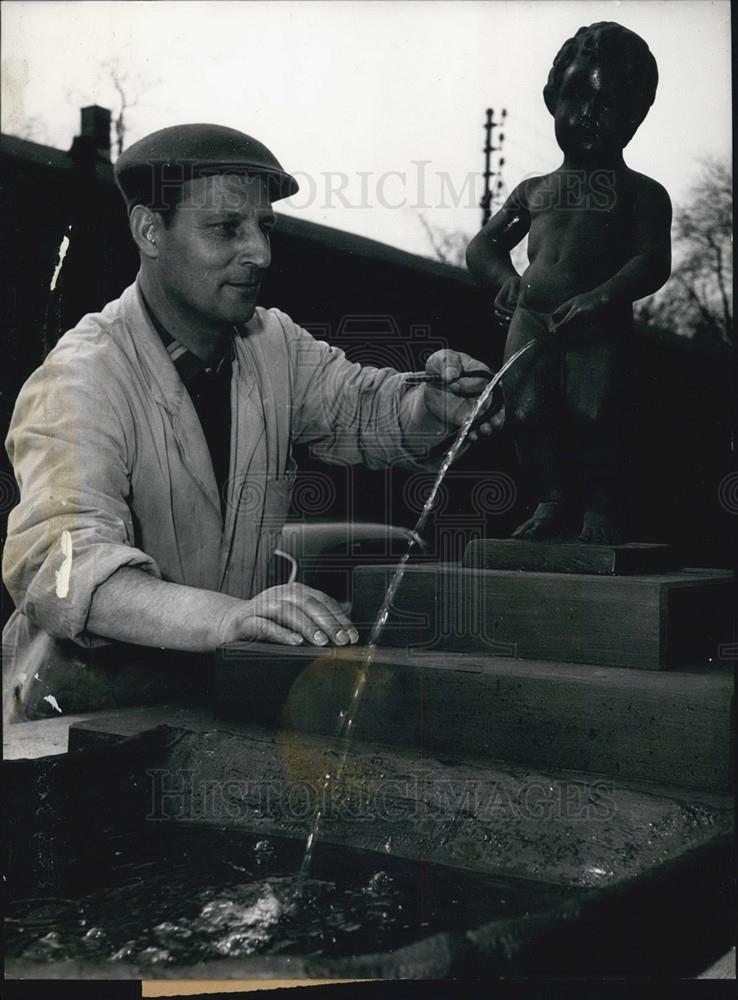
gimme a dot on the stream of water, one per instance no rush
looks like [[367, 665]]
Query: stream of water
[[346, 719]]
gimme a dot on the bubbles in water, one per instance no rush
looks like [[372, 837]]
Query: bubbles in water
[[220, 913], [168, 933], [51, 940], [380, 881], [47, 948], [263, 912], [239, 943], [247, 922], [154, 956], [125, 953], [263, 852]]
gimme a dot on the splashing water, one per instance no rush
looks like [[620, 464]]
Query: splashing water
[[346, 719], [180, 896]]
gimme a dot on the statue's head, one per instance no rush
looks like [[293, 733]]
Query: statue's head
[[601, 85]]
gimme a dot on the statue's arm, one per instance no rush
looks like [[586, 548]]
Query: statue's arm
[[643, 273], [488, 254], [650, 265]]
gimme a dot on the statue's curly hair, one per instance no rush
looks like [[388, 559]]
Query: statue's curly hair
[[626, 52]]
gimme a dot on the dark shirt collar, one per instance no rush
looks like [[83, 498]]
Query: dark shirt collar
[[188, 365]]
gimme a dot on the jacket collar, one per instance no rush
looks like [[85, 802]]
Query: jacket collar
[[188, 365], [161, 376], [161, 373]]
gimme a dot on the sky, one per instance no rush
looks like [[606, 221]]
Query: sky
[[376, 107]]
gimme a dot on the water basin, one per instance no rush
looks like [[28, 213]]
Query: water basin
[[160, 855]]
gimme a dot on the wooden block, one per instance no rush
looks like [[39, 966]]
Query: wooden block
[[569, 557], [649, 622], [669, 729]]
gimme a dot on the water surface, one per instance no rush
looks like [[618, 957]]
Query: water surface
[[186, 894]]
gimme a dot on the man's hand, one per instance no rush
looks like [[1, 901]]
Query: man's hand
[[577, 313], [507, 300], [455, 397], [289, 614]]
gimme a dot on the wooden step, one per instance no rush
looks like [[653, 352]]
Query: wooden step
[[660, 728], [570, 557], [649, 621]]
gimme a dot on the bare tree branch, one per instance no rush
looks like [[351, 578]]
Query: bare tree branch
[[698, 298], [448, 246]]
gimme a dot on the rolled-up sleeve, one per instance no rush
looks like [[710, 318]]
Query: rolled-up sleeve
[[73, 527], [349, 413]]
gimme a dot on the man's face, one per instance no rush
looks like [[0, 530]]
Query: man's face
[[593, 114], [213, 253]]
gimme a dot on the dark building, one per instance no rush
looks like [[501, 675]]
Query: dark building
[[384, 307]]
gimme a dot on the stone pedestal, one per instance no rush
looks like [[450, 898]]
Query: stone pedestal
[[650, 621], [643, 726]]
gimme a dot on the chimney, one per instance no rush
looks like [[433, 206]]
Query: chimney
[[95, 129]]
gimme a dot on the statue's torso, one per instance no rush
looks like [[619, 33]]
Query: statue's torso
[[581, 233]]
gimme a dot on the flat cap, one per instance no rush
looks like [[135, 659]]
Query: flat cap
[[150, 167]]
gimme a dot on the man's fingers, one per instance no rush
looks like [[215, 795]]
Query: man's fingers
[[333, 606], [265, 629], [326, 622], [451, 366], [297, 613], [315, 615], [284, 614], [448, 364], [330, 616], [300, 618], [468, 388]]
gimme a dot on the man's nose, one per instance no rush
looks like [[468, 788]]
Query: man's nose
[[254, 249]]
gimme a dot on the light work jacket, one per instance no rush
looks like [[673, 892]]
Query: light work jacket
[[114, 470]]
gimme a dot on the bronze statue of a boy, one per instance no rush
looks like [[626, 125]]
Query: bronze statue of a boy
[[599, 238]]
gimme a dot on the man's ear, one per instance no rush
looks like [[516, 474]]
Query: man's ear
[[145, 229]]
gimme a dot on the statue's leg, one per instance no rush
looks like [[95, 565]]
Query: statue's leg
[[592, 378], [534, 409]]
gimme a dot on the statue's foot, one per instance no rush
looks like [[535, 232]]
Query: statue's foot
[[545, 522], [597, 528]]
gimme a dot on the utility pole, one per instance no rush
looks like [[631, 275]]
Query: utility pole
[[489, 174]]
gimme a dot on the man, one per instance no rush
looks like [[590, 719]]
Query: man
[[153, 448]]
